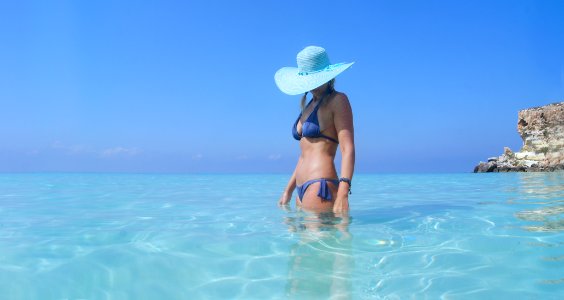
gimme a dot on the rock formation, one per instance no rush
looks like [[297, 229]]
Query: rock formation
[[542, 131]]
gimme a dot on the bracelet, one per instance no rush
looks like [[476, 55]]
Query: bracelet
[[347, 180]]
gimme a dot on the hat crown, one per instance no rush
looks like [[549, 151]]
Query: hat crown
[[312, 58]]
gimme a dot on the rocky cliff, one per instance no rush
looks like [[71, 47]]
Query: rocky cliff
[[542, 131]]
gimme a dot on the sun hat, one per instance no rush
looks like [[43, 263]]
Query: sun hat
[[314, 69]]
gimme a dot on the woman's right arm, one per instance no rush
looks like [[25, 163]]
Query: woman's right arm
[[287, 195]]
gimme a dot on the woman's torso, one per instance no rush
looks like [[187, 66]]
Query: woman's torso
[[318, 154]]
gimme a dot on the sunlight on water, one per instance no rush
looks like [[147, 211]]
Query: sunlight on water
[[118, 236]]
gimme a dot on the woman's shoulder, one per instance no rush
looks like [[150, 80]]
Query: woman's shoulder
[[338, 100], [341, 96]]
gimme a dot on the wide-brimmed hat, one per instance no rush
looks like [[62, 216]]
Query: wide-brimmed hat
[[314, 69]]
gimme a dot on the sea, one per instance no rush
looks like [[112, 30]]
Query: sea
[[223, 236]]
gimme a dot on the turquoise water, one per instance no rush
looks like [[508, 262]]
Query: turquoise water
[[124, 236]]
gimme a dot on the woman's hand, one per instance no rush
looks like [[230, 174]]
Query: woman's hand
[[285, 199], [341, 204], [343, 226]]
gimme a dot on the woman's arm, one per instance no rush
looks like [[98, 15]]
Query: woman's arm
[[287, 195], [345, 132]]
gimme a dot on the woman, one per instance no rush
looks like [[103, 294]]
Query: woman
[[325, 123]]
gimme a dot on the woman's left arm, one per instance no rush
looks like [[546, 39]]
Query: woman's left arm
[[342, 116]]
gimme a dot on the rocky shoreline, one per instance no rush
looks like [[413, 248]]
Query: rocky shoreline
[[542, 131]]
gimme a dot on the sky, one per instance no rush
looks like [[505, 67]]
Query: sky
[[188, 86]]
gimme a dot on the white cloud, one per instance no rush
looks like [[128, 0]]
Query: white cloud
[[33, 152], [122, 151], [70, 149], [87, 150], [274, 156]]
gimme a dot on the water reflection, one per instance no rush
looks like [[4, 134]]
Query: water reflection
[[321, 261], [547, 190]]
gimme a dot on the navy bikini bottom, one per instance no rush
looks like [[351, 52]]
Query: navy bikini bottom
[[324, 191]]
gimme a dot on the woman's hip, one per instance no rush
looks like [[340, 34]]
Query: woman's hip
[[317, 194]]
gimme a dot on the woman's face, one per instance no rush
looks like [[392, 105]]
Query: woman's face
[[320, 89]]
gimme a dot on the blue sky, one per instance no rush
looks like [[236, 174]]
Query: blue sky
[[187, 86]]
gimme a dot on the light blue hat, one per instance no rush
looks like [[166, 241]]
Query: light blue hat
[[314, 69]]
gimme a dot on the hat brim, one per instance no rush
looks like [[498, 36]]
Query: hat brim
[[291, 82]]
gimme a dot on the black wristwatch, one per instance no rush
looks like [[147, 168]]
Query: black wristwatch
[[347, 180]]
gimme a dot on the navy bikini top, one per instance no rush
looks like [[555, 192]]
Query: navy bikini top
[[310, 128]]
